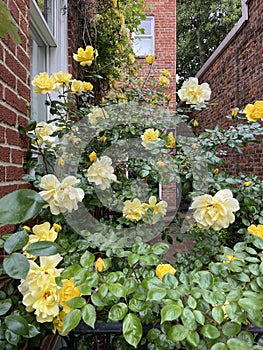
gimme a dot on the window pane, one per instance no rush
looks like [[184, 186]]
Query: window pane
[[143, 46], [47, 9], [147, 26]]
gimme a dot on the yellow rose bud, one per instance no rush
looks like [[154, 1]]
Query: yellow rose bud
[[163, 269], [149, 59], [216, 171], [103, 138], [195, 123], [160, 164], [57, 227], [169, 97], [93, 156], [27, 228], [61, 162], [234, 112], [99, 265], [103, 101], [248, 183], [164, 80]]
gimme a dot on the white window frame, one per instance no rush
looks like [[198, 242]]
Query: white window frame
[[49, 49], [139, 37]]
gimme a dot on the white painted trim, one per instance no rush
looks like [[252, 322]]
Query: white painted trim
[[228, 39], [39, 23]]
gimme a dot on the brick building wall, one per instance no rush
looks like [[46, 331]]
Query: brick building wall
[[235, 77], [164, 13], [14, 97]]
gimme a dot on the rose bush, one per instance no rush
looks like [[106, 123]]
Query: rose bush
[[83, 251]]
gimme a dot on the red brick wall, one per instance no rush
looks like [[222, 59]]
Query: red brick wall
[[164, 12], [235, 78], [14, 97]]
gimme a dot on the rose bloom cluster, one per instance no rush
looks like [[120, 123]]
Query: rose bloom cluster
[[150, 136], [151, 212]]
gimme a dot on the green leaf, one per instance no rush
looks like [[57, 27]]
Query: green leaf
[[160, 248], [87, 259], [188, 319], [177, 333], [17, 324], [218, 314], [231, 329], [118, 312], [137, 305], [16, 241], [20, 206], [132, 329], [89, 315], [251, 303], [193, 338], [5, 306], [130, 285], [118, 290], [16, 266], [43, 248], [156, 293], [70, 271], [237, 344], [11, 337], [210, 331], [199, 317], [170, 312], [219, 346], [191, 302], [31, 125], [71, 321], [76, 303]]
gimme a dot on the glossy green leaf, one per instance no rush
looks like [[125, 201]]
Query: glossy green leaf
[[188, 319], [16, 266], [118, 312], [17, 324], [5, 306], [251, 303], [118, 290], [132, 329], [219, 346], [156, 293], [89, 315], [70, 271], [231, 329], [177, 333], [43, 248], [218, 314], [193, 338], [199, 317], [71, 321], [20, 206], [12, 337], [170, 312], [76, 302], [130, 285], [87, 259], [209, 331], [237, 344], [160, 248], [137, 305], [16, 241]]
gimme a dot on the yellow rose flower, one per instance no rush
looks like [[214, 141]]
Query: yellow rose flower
[[158, 209], [195, 123], [216, 171], [101, 172], [68, 292], [61, 78], [163, 80], [133, 210], [160, 164], [93, 156], [44, 131], [61, 196], [256, 230], [163, 269], [85, 57], [114, 3], [131, 58], [165, 73], [215, 212], [43, 83], [87, 86], [193, 93], [77, 85], [254, 111], [248, 183], [171, 141], [149, 59], [96, 114], [150, 136], [99, 265]]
